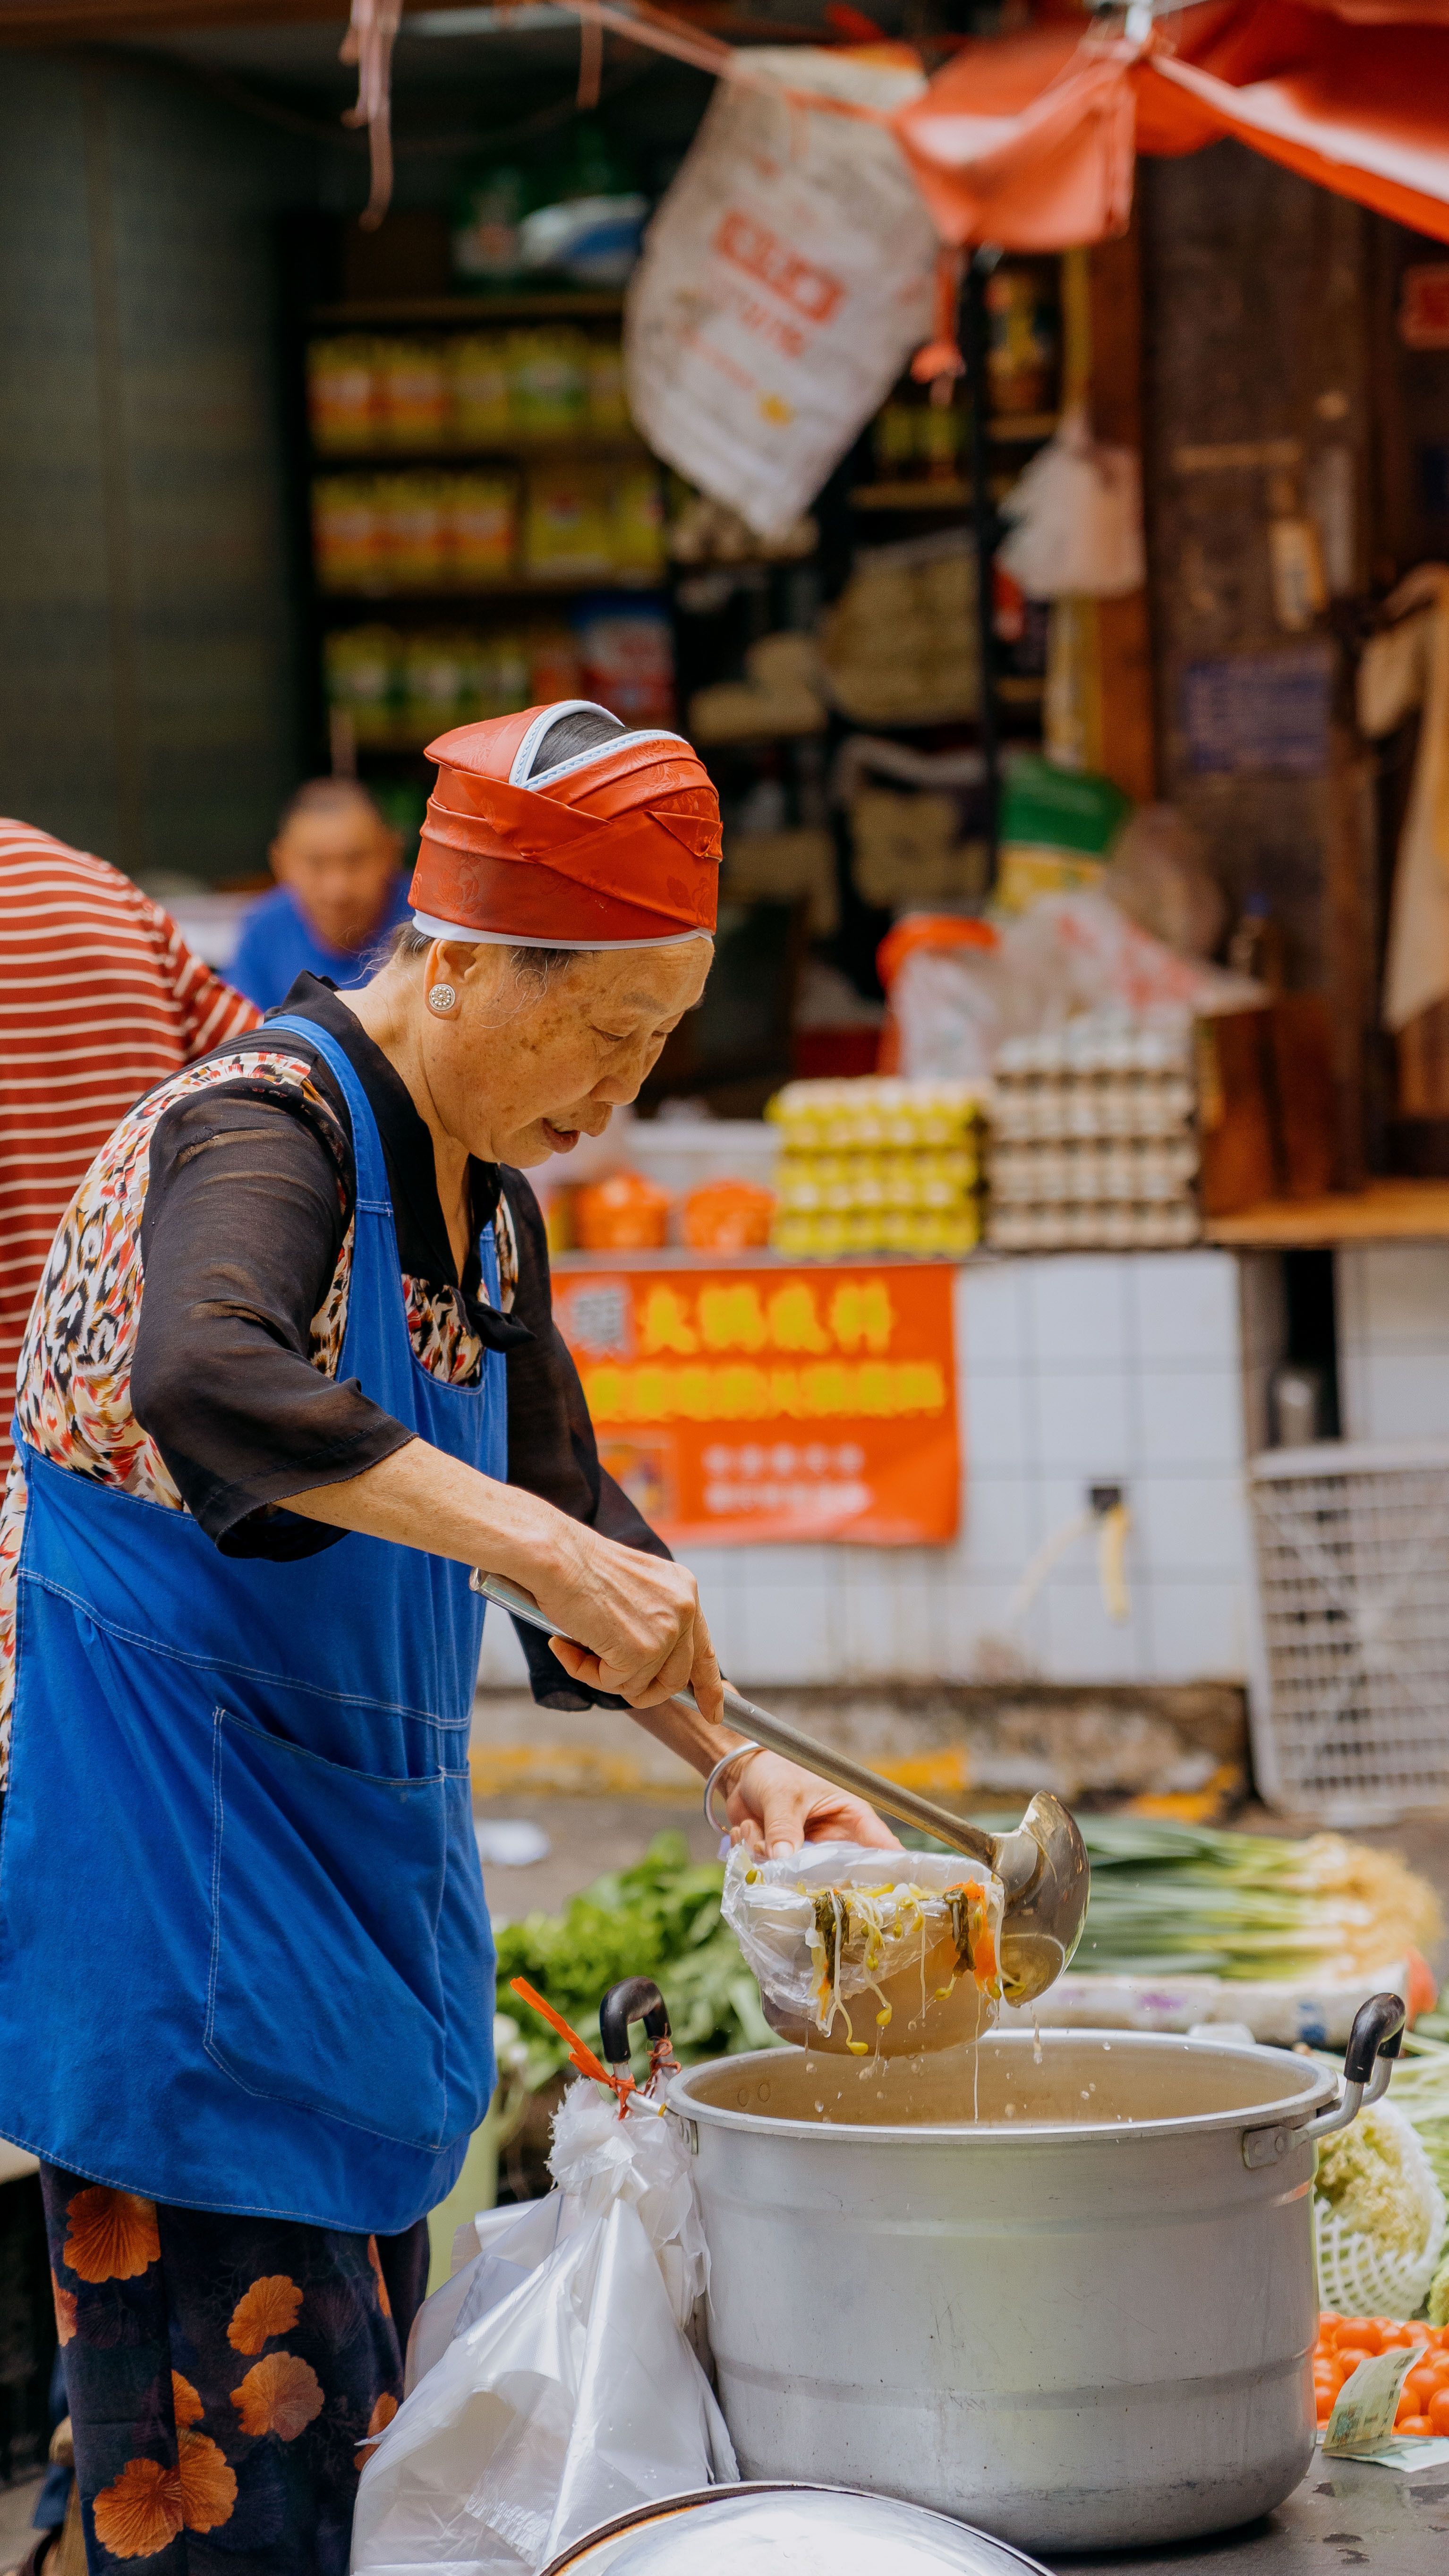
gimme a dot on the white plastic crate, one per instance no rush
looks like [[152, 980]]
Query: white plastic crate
[[1353, 1574]]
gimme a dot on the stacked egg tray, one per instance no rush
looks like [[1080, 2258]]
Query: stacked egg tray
[[1094, 1140], [875, 1165]]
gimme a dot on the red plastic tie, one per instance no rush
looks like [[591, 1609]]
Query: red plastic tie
[[580, 2054]]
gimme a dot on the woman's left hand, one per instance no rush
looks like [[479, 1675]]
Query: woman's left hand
[[773, 1807]]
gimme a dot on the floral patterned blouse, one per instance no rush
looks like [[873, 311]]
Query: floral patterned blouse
[[210, 1247]]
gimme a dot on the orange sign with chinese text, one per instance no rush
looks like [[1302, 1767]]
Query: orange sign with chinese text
[[746, 1405]]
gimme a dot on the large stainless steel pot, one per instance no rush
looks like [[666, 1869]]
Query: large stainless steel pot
[[1063, 2289]]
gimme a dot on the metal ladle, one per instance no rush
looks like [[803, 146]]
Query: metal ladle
[[1042, 1867]]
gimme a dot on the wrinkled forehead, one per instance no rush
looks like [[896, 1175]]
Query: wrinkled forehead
[[641, 984]]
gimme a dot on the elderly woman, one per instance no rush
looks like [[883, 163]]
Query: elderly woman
[[290, 1375]]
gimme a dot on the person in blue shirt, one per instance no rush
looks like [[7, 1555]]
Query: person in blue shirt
[[339, 895]]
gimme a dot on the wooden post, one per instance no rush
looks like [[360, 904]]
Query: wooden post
[[1128, 746], [983, 519], [1348, 942]]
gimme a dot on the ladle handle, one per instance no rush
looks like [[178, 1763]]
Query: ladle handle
[[903, 1804]]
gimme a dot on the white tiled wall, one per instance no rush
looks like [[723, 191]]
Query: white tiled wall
[[1147, 1370], [1393, 1340]]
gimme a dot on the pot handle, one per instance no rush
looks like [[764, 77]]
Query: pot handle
[[1373, 2044], [633, 1999]]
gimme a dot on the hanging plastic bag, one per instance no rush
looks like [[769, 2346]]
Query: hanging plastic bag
[[956, 1007], [786, 278], [552, 2384], [873, 1953], [1077, 513], [1159, 876]]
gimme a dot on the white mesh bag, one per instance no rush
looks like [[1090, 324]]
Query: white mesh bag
[[1360, 2273]]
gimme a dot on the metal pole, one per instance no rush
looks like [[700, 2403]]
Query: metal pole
[[979, 265]]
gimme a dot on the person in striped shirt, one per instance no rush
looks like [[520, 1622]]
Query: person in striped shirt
[[100, 999]]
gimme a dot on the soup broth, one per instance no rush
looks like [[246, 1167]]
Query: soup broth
[[1066, 2080]]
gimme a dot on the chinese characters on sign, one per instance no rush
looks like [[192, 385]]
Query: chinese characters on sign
[[1259, 711], [739, 1405]]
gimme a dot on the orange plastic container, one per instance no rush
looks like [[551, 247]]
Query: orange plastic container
[[625, 1213], [728, 1216]]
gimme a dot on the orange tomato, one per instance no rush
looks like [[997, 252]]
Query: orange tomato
[[1358, 2335], [1323, 2406], [1419, 2387], [1423, 1993], [1437, 2410], [1394, 2338], [1412, 2424]]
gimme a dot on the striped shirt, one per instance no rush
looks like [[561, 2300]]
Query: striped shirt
[[100, 999]]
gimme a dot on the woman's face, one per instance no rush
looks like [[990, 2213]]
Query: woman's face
[[517, 1074]]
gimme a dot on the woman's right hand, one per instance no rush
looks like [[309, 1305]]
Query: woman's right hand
[[634, 1625]]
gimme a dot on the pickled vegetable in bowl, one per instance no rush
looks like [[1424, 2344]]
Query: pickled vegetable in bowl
[[869, 1953]]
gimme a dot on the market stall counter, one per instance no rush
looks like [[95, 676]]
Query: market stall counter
[[1401, 2540], [1367, 2516]]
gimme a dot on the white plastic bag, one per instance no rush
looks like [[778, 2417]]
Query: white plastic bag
[[1072, 953], [552, 2384], [862, 1949], [786, 278], [1158, 876], [1077, 514]]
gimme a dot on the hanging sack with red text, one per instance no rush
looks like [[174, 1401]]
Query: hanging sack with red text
[[786, 279]]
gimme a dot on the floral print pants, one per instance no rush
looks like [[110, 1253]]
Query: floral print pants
[[225, 2376]]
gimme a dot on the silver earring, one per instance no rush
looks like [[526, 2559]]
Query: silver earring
[[442, 998]]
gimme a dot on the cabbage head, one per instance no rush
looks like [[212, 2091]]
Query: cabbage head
[[1377, 2178]]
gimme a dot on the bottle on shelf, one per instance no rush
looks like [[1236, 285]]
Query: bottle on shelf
[[1256, 945]]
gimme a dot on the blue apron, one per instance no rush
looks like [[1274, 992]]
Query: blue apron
[[245, 1958]]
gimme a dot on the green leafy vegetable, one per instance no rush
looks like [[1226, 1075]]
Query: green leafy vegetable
[[660, 1919]]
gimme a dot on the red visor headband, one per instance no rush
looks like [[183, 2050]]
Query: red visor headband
[[620, 849]]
